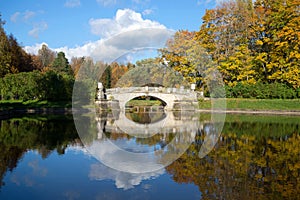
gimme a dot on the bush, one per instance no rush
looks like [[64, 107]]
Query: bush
[[35, 85], [262, 91]]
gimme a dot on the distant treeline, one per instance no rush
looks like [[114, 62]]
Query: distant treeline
[[254, 45]]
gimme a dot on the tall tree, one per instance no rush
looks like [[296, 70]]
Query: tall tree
[[5, 57], [253, 42], [13, 58], [277, 36], [184, 55], [46, 56], [61, 64], [20, 60], [76, 63]]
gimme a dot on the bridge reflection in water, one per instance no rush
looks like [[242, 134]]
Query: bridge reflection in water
[[138, 147]]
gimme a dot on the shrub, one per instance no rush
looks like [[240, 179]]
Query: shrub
[[262, 90]]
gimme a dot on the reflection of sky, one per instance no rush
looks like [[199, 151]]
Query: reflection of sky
[[77, 175], [132, 146], [122, 179], [118, 159]]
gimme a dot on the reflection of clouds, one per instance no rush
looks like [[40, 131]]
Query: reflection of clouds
[[33, 171], [122, 180], [78, 149], [118, 159], [28, 179], [72, 195], [37, 170]]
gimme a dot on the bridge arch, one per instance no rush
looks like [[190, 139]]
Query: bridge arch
[[152, 97], [124, 98]]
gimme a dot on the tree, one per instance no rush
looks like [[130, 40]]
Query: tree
[[20, 60], [76, 63], [46, 56], [252, 42], [4, 51], [277, 39], [185, 55], [61, 64]]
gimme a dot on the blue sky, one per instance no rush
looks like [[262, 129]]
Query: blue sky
[[76, 25]]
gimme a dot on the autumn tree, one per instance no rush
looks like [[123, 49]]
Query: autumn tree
[[225, 35], [277, 37], [45, 57], [254, 41], [185, 55], [13, 58], [76, 63], [4, 51]]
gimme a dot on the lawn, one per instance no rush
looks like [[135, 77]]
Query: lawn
[[256, 104]]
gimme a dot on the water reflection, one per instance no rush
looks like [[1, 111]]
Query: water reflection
[[133, 147], [123, 180], [256, 157], [44, 135]]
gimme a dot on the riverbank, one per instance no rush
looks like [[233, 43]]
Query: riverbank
[[15, 107], [255, 104], [233, 106]]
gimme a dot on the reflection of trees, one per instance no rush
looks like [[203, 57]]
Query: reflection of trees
[[44, 135], [145, 117], [243, 167], [9, 158]]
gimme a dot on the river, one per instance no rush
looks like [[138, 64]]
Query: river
[[254, 157]]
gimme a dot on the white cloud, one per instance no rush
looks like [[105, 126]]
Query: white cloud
[[147, 12], [15, 17], [213, 2], [120, 34], [72, 3], [141, 1], [28, 14], [25, 16], [37, 29], [125, 20], [116, 46], [107, 2]]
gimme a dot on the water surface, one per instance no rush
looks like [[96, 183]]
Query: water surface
[[256, 157]]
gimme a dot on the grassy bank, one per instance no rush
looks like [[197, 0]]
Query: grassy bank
[[16, 104], [256, 104]]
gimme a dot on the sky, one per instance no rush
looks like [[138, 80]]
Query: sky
[[94, 27]]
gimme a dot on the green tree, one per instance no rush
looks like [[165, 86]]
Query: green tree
[[61, 64]]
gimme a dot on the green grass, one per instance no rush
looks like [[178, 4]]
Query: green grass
[[15, 104], [257, 104]]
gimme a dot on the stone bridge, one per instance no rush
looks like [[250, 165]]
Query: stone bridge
[[172, 97]]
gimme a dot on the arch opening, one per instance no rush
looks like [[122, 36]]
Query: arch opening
[[145, 101], [145, 109]]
